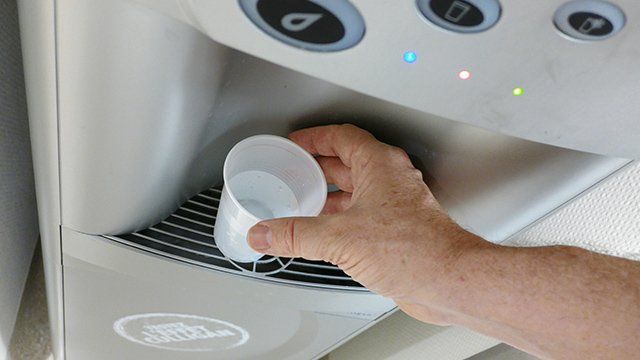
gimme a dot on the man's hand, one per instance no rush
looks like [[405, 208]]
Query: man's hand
[[386, 230]]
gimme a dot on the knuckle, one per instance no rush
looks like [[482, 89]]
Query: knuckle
[[331, 247], [293, 242], [397, 156], [415, 173], [358, 134], [351, 128], [292, 245], [396, 153], [284, 241]]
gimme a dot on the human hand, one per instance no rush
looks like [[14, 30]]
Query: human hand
[[384, 228]]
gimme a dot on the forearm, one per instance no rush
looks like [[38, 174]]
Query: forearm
[[555, 302], [385, 229]]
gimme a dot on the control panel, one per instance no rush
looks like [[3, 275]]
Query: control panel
[[333, 25], [557, 72]]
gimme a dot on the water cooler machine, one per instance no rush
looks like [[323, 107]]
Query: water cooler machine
[[508, 107]]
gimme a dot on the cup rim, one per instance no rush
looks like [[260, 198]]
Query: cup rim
[[288, 143]]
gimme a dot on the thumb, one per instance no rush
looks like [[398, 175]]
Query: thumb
[[291, 237]]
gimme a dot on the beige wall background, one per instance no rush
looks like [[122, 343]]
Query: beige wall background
[[18, 218]]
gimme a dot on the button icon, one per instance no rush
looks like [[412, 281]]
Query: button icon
[[457, 11], [589, 19], [302, 20], [318, 25], [590, 24], [465, 16], [299, 21]]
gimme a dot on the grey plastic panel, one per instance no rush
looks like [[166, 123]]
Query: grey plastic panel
[[282, 322], [136, 94], [37, 32], [146, 123], [139, 169], [577, 95]]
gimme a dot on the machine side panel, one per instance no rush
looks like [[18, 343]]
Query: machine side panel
[[37, 30], [136, 91]]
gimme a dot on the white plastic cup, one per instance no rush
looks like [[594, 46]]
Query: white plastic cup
[[265, 177]]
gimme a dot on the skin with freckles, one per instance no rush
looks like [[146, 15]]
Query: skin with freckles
[[386, 230]]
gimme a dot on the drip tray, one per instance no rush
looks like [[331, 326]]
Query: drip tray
[[187, 235]]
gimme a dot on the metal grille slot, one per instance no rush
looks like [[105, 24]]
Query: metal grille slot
[[187, 235]]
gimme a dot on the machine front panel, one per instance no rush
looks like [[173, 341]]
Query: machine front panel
[[149, 108], [136, 312]]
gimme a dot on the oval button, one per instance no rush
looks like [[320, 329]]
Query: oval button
[[317, 25], [589, 19], [463, 16]]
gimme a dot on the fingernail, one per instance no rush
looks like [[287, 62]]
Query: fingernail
[[260, 237]]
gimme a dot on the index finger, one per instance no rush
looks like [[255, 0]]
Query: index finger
[[346, 141]]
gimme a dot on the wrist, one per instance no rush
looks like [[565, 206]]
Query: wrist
[[453, 253]]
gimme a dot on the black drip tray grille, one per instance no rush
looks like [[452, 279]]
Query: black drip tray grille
[[187, 235]]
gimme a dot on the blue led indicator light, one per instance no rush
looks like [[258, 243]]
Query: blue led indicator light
[[410, 57]]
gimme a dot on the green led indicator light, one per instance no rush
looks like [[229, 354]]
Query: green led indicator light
[[517, 91]]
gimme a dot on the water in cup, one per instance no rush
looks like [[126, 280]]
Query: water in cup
[[264, 195], [265, 177]]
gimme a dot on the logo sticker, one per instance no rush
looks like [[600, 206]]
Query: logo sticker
[[180, 332]]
